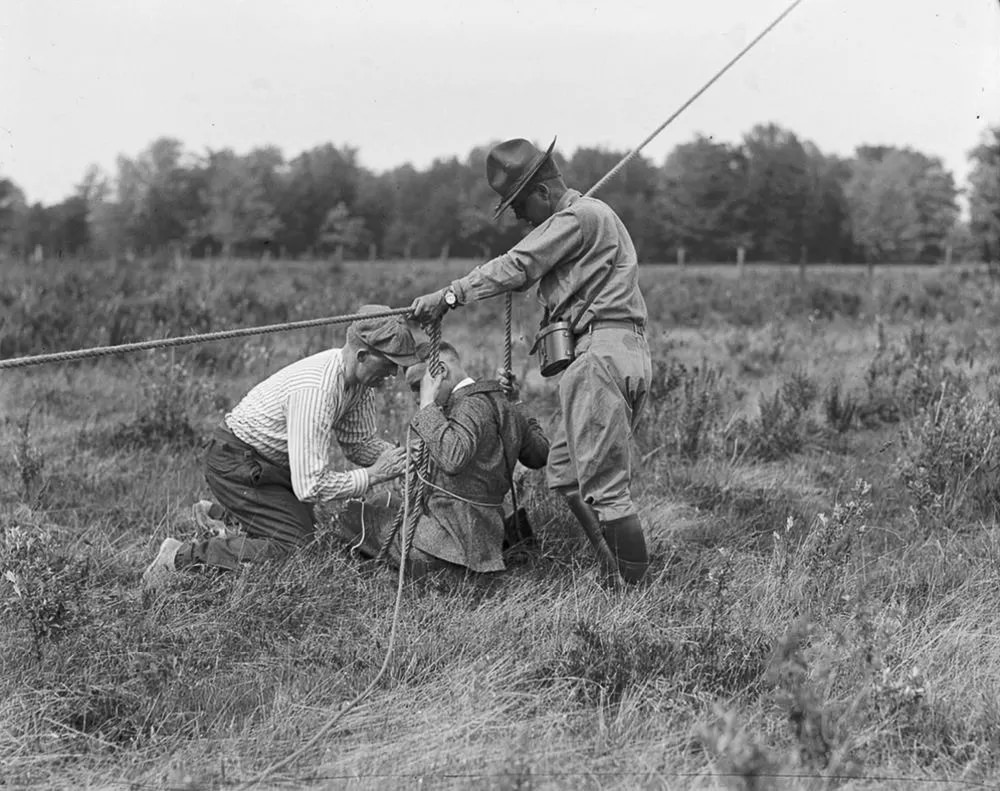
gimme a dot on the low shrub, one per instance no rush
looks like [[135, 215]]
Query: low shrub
[[904, 377], [684, 409], [171, 394], [41, 584], [782, 425], [949, 461]]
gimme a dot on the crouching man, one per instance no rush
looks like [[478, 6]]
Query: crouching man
[[268, 463]]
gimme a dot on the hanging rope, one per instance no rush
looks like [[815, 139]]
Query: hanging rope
[[508, 312], [105, 351], [417, 464]]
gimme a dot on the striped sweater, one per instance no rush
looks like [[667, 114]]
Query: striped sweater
[[292, 417]]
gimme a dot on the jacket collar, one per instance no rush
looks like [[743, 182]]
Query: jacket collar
[[569, 197], [486, 386]]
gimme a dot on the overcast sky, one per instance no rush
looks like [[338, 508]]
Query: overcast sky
[[82, 81]]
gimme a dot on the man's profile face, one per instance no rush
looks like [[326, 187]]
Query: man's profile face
[[532, 205], [414, 376], [374, 368]]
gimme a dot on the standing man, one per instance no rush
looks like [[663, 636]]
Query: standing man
[[268, 463], [584, 262]]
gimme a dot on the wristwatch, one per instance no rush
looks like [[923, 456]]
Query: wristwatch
[[450, 298]]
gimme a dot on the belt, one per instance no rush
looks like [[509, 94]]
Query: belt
[[611, 324], [230, 443]]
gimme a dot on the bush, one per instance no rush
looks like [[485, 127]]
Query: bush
[[904, 377], [171, 393], [950, 459], [684, 408], [781, 426], [839, 408], [41, 585]]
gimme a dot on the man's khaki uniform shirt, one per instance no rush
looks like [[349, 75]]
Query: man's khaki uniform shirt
[[568, 255]]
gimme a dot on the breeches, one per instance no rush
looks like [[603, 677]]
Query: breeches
[[601, 395]]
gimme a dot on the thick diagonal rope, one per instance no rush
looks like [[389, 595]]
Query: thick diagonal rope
[[635, 151], [632, 154], [104, 351], [603, 551]]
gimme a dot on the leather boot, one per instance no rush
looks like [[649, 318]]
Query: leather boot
[[591, 524], [628, 546]]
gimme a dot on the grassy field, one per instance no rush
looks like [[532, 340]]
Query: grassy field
[[817, 472]]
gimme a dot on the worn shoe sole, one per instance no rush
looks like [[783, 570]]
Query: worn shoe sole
[[162, 567]]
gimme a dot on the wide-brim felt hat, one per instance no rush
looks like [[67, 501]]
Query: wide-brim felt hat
[[511, 165]]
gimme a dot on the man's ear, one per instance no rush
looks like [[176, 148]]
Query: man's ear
[[361, 355], [444, 371]]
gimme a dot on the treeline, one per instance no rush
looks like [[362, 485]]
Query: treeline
[[778, 197]]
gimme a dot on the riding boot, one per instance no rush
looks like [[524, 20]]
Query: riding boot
[[591, 524], [628, 546]]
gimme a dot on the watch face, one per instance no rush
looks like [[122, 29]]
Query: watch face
[[450, 298]]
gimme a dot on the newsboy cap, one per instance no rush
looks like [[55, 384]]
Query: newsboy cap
[[511, 165], [387, 335]]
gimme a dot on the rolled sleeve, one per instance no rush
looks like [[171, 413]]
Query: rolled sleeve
[[557, 239], [308, 452]]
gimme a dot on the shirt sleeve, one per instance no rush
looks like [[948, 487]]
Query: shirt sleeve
[[557, 239], [309, 428], [451, 440]]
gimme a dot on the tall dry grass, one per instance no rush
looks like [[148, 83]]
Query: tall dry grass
[[814, 473]]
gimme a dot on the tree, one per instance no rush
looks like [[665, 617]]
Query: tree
[[778, 187], [902, 205], [884, 216], [984, 195], [341, 231], [238, 210], [702, 198], [314, 183], [827, 224], [13, 214]]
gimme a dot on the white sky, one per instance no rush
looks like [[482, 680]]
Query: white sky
[[408, 80]]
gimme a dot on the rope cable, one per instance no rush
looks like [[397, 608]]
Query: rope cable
[[103, 351], [631, 154]]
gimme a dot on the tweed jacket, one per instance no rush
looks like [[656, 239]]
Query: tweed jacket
[[468, 459]]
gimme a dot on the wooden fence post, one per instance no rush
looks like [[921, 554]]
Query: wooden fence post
[[741, 254], [680, 257], [802, 263]]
